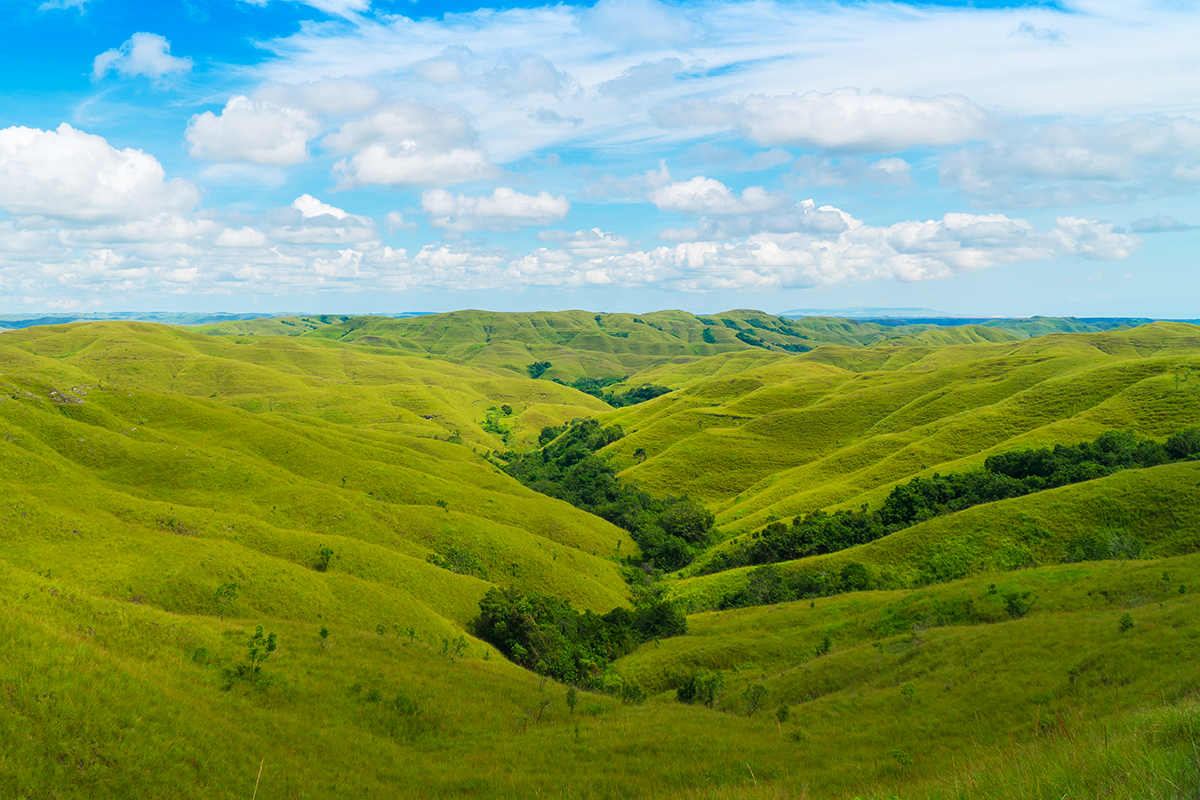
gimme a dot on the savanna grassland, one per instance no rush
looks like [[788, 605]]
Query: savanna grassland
[[328, 556]]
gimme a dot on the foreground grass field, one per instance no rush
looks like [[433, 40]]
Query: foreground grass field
[[145, 470]]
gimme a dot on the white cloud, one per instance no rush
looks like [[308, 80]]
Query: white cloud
[[527, 74], [850, 171], [309, 221], [631, 189], [324, 97], [53, 4], [395, 222], [702, 195], [645, 77], [503, 210], [447, 68], [907, 251], [71, 175], [1064, 164], [408, 143], [253, 131], [241, 237], [336, 8], [310, 207], [639, 24], [146, 54], [846, 120], [587, 244]]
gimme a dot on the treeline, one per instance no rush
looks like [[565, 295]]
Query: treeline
[[670, 531], [546, 635], [1005, 475], [597, 387]]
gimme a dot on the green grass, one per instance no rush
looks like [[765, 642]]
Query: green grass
[[141, 467]]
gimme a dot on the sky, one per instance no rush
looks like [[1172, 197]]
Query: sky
[[381, 156]]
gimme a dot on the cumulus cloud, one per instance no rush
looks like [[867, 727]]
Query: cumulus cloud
[[71, 175], [906, 251], [146, 54], [408, 143], [639, 24], [702, 195], [252, 131], [592, 243], [645, 77], [310, 207], [241, 237], [447, 68], [845, 120], [503, 210], [309, 221]]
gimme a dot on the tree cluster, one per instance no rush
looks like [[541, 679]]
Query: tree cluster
[[547, 635], [596, 388], [670, 531]]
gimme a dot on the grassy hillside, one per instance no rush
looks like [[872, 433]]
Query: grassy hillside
[[164, 492], [1158, 508], [586, 344], [916, 684], [764, 436]]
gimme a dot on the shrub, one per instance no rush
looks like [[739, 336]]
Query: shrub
[[701, 688], [1017, 604], [324, 555], [1125, 624]]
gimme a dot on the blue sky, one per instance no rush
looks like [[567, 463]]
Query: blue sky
[[388, 155]]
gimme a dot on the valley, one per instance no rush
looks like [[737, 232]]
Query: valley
[[354, 487]]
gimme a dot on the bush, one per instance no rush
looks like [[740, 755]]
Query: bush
[[701, 688], [324, 555], [1125, 623]]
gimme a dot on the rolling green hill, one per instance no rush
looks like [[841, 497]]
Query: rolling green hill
[[764, 436], [164, 492]]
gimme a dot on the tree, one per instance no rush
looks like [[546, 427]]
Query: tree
[[538, 368], [754, 696], [224, 596]]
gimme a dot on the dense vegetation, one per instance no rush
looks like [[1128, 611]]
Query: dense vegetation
[[545, 634], [670, 531], [1005, 475], [596, 388]]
